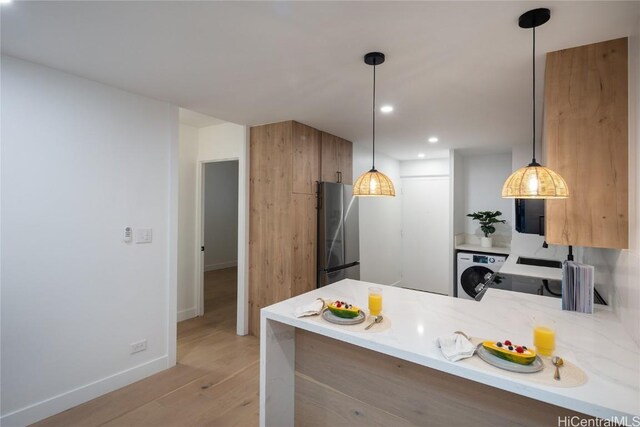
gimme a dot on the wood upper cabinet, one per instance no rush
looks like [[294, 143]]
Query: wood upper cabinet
[[345, 159], [586, 138], [306, 158], [285, 164], [337, 159]]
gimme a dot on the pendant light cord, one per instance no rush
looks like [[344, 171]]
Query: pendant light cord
[[533, 95], [373, 165]]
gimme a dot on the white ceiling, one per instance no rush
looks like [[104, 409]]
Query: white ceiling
[[458, 70]]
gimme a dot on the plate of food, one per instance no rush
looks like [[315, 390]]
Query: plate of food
[[509, 356], [342, 313]]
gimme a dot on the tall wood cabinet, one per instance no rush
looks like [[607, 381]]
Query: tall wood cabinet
[[285, 166], [586, 137]]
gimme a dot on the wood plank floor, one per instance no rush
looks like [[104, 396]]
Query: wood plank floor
[[215, 382]]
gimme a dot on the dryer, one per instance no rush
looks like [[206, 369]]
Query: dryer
[[472, 269]]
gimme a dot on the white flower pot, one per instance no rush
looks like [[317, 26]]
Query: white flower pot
[[486, 242]]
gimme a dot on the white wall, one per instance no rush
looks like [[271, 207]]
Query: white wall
[[381, 217], [380, 222], [187, 242], [80, 161], [623, 267], [220, 142], [426, 167], [484, 176], [459, 193], [221, 215]]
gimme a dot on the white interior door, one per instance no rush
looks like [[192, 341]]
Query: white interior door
[[425, 234]]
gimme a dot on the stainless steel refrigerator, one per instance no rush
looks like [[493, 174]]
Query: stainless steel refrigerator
[[338, 234]]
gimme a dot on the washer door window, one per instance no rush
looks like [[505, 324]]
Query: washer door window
[[472, 277]]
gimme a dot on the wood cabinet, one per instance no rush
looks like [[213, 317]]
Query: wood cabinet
[[586, 138], [306, 158], [337, 159], [331, 389], [285, 165]]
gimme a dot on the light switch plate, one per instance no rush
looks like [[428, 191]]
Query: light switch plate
[[144, 235]]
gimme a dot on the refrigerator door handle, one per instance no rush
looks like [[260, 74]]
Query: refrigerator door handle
[[342, 267]]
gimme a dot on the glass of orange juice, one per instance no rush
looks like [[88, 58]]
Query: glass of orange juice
[[544, 340], [375, 301]]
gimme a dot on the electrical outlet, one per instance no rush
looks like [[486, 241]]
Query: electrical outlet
[[138, 346]]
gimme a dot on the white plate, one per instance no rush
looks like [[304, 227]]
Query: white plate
[[330, 317], [493, 360]]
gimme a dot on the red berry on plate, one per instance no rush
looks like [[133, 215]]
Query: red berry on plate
[[519, 349], [338, 305], [507, 342]]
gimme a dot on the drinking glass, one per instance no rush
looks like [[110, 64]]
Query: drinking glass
[[544, 340], [375, 301]]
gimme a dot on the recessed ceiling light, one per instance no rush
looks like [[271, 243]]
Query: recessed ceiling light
[[433, 139], [421, 155], [386, 108]]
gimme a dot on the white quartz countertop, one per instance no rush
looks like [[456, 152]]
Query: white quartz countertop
[[511, 266], [596, 343], [477, 248]]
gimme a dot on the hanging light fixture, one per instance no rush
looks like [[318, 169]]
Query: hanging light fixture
[[535, 181], [373, 183]]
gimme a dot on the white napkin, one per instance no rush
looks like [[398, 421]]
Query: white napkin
[[455, 347], [310, 309]]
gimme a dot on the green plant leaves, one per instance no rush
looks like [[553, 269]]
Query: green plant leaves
[[486, 220]]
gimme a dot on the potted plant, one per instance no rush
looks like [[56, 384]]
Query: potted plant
[[487, 219]]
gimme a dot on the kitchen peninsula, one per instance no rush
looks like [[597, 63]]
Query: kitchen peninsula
[[315, 373]]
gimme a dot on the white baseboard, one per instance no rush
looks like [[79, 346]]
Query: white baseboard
[[62, 402], [186, 314], [220, 265]]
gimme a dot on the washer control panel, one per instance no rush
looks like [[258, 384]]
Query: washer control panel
[[487, 259]]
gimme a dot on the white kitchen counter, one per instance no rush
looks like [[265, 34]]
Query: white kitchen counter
[[511, 266], [477, 248], [596, 343]]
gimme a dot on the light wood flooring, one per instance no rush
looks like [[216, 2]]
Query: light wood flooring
[[215, 382]]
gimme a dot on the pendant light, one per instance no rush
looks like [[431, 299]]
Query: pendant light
[[373, 183], [535, 181]]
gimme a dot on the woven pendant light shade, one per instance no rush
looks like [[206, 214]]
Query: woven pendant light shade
[[373, 183], [535, 182]]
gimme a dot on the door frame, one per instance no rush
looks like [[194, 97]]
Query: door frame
[[242, 322]]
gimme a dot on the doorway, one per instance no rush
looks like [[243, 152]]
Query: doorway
[[218, 296]]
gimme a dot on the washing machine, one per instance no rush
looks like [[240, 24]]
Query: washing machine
[[472, 269]]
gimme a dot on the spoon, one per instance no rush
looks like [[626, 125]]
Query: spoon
[[557, 362], [378, 320]]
